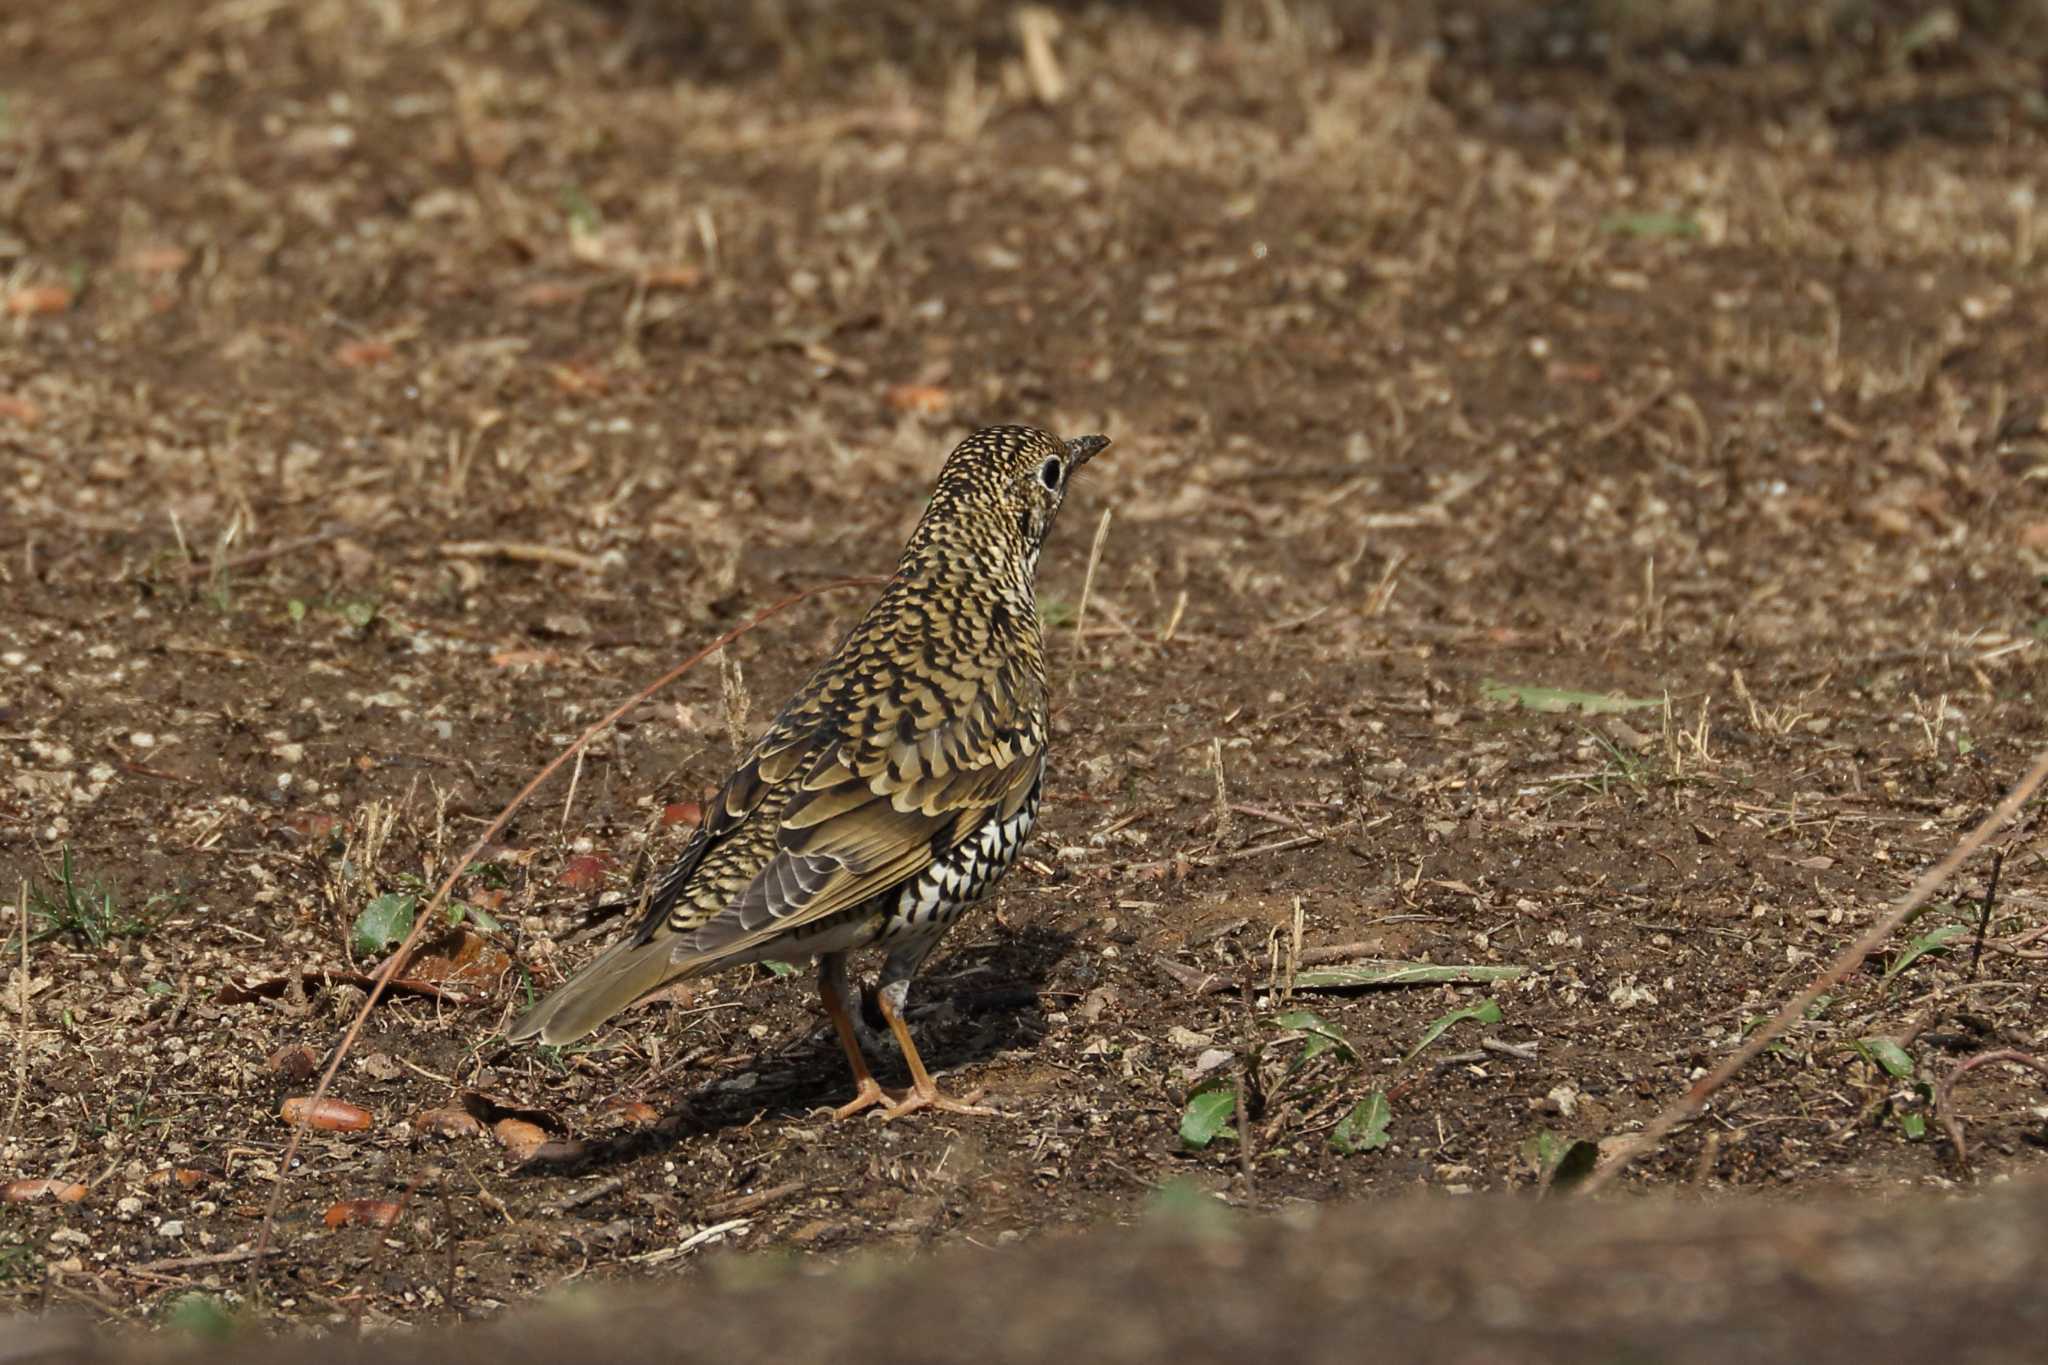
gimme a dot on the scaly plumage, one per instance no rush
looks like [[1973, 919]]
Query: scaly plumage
[[894, 789]]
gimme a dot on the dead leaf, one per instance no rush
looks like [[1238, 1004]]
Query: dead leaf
[[449, 1122], [526, 658], [461, 954], [584, 872], [160, 259], [357, 355], [627, 1113], [328, 1116], [574, 377], [682, 813], [23, 1191], [21, 410], [184, 1177], [928, 399], [550, 294], [38, 300], [294, 1062], [673, 277], [313, 824], [520, 1138], [375, 1213]]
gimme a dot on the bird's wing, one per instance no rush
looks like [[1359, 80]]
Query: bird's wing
[[862, 817], [855, 789]]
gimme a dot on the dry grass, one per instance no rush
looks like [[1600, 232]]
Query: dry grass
[[427, 376]]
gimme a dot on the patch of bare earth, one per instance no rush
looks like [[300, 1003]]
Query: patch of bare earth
[[391, 388]]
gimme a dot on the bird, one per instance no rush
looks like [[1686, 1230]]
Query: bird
[[890, 793]]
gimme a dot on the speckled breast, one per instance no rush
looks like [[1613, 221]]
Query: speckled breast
[[936, 896]]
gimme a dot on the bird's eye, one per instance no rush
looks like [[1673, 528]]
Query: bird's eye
[[1049, 474]]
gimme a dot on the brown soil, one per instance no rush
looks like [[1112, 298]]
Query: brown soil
[[1686, 365]]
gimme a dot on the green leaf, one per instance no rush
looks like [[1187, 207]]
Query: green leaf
[[359, 613], [296, 610], [384, 921], [776, 968], [1888, 1055], [1553, 699], [1486, 1011], [1913, 1124], [1651, 225], [1934, 942], [1378, 972], [1322, 1036], [1208, 1116], [1364, 1129]]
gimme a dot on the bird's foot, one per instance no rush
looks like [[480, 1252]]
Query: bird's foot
[[919, 1098], [870, 1094]]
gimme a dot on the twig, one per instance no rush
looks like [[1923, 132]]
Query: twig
[[1278, 846], [1247, 1077], [522, 552], [394, 964], [21, 1019], [1942, 1107], [1088, 579], [591, 1194], [1694, 1100], [208, 1258], [1984, 920], [746, 1204]]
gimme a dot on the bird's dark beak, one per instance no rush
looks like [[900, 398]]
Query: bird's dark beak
[[1082, 449]]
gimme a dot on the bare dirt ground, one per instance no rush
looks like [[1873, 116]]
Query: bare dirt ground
[[390, 388]]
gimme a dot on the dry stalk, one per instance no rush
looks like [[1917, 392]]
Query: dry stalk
[[1942, 1092], [396, 963], [1695, 1099], [1088, 579], [21, 1020]]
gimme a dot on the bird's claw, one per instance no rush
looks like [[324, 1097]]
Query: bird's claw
[[870, 1094], [932, 1099]]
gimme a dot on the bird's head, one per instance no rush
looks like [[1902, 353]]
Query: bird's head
[[1002, 487]]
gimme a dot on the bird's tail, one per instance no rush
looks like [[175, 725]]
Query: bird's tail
[[610, 983]]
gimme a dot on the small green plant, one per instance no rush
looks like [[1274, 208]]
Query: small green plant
[[85, 910], [1935, 941], [1055, 614], [582, 215], [1366, 1126]]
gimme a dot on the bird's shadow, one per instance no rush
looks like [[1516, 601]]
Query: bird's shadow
[[970, 1006]]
